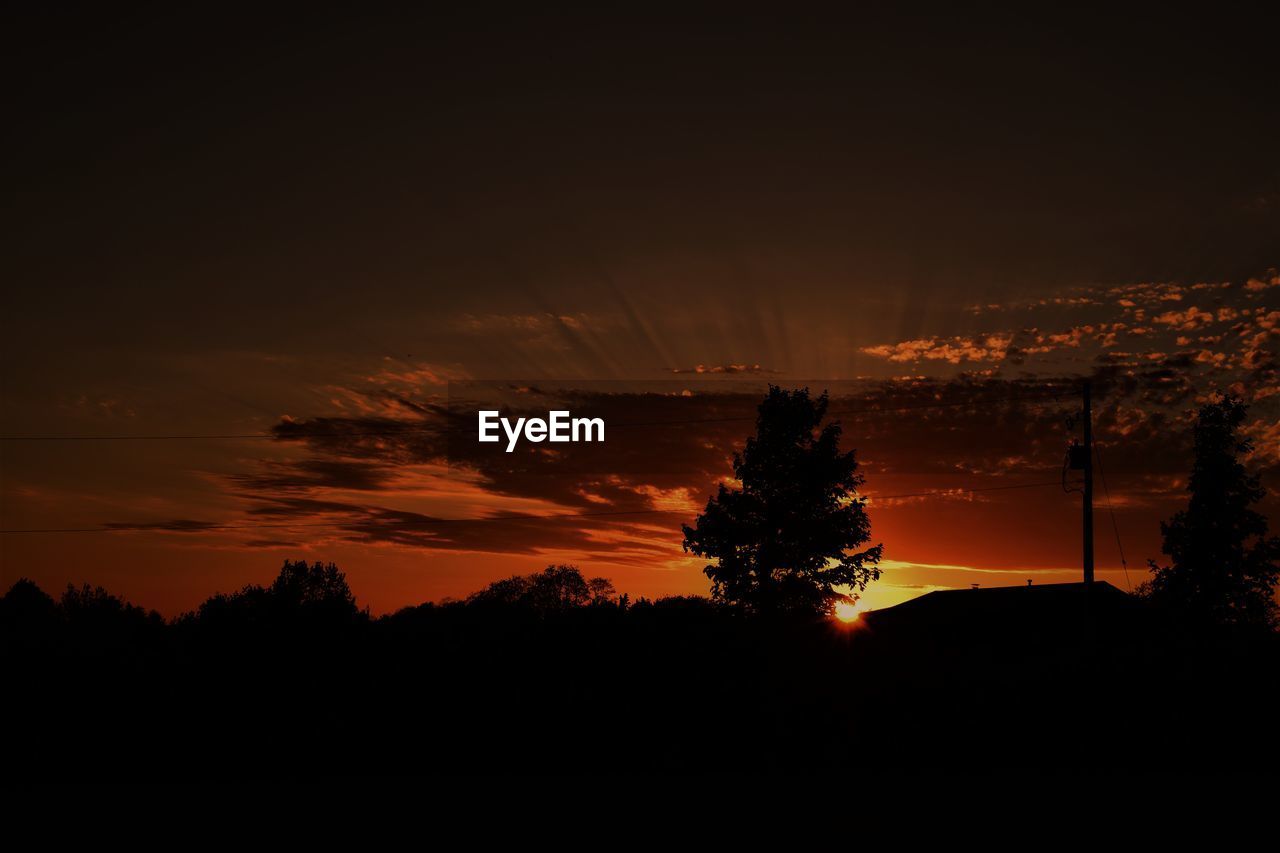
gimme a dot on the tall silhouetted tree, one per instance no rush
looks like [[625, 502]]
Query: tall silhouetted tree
[[786, 538], [1224, 566]]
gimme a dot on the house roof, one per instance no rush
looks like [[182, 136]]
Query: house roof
[[1037, 607]]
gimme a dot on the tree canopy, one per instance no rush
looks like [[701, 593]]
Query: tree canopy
[[555, 589], [785, 538], [314, 593]]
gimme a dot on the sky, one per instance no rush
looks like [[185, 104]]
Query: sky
[[306, 227]]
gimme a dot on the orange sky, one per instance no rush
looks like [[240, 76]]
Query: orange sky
[[307, 227], [354, 491]]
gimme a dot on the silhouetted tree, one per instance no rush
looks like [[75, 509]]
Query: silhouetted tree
[[558, 588], [93, 608], [601, 590], [508, 592], [1224, 566], [317, 592], [555, 589], [319, 584], [784, 540], [25, 602], [29, 617]]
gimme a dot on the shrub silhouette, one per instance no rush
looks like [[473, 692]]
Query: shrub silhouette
[[783, 541]]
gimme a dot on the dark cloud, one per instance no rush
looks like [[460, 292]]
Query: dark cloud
[[502, 533], [1011, 428], [319, 472], [177, 525]]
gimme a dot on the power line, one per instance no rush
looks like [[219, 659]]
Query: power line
[[199, 527], [839, 412], [945, 492], [1097, 454], [409, 428], [212, 436], [192, 437]]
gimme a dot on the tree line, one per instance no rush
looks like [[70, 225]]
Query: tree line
[[790, 537]]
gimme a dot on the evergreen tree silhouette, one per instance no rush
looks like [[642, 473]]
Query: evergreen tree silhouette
[[1224, 566], [784, 540]]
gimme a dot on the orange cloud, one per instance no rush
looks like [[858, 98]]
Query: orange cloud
[[955, 350], [1185, 321]]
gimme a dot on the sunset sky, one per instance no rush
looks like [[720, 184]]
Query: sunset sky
[[311, 228]]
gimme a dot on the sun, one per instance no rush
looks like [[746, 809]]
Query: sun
[[848, 611]]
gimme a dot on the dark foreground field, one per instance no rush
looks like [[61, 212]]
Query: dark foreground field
[[98, 691]]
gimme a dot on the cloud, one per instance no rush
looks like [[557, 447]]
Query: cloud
[[724, 369], [177, 525], [1257, 285], [956, 350], [501, 532], [1149, 293], [1266, 441], [319, 472], [489, 324], [1186, 321], [104, 406]]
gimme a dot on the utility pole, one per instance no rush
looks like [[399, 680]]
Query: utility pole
[[1088, 487]]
